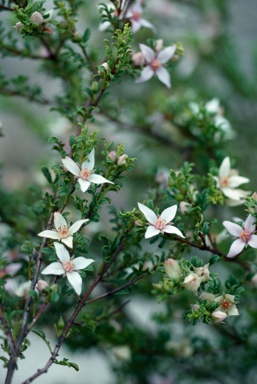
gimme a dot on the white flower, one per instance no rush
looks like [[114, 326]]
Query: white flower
[[85, 172], [227, 304], [203, 273], [68, 266], [228, 180], [244, 235], [134, 14], [62, 232], [160, 224], [155, 62], [37, 18], [192, 282]]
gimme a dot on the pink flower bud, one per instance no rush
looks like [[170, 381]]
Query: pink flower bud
[[112, 155], [158, 45], [218, 316], [122, 159], [172, 269], [37, 18], [41, 285]]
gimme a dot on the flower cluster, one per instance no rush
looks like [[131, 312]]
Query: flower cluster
[[68, 266], [40, 20]]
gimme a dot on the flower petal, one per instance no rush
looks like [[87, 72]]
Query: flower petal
[[235, 181], [50, 234], [82, 262], [169, 213], [135, 25], [148, 52], [148, 213], [68, 241], [97, 179], [71, 166], [173, 230], [59, 220], [234, 194], [236, 247], [55, 268], [166, 54], [75, 281], [147, 24], [224, 168], [253, 241], [232, 228], [164, 76], [146, 74], [151, 231], [76, 226], [62, 253], [89, 163], [249, 223], [84, 184]]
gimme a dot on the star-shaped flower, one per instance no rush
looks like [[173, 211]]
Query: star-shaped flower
[[155, 62], [62, 232], [134, 14], [85, 172], [244, 235], [68, 266], [228, 180], [227, 304], [160, 224]]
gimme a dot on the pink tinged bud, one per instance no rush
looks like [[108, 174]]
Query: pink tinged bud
[[113, 156], [192, 282], [122, 159], [18, 26], [37, 18], [172, 269], [218, 316], [138, 59], [41, 285], [138, 223], [195, 307]]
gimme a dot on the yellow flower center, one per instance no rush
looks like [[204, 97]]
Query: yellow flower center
[[245, 236], [160, 224], [85, 173], [68, 266], [63, 231], [156, 64]]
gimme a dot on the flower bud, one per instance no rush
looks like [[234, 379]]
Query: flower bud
[[183, 205], [113, 156], [94, 87], [122, 159], [18, 26], [102, 72], [192, 282], [218, 316], [172, 269], [37, 18], [138, 59], [41, 285], [158, 45], [207, 296]]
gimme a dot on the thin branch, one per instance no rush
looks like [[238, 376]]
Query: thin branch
[[6, 8], [7, 330]]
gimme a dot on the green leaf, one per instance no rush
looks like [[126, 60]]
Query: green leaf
[[47, 174], [42, 335], [67, 363]]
